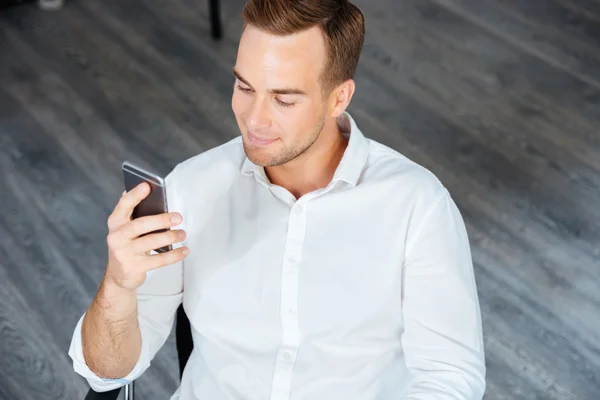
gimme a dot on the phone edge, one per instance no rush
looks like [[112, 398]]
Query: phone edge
[[134, 169]]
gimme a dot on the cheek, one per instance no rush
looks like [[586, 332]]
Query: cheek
[[299, 118], [239, 104]]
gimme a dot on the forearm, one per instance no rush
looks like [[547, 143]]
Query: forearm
[[111, 336]]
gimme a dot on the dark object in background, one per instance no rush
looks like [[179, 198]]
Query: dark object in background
[[216, 26], [214, 12], [10, 3], [48, 5]]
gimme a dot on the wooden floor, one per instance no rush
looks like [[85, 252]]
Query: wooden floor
[[499, 98]]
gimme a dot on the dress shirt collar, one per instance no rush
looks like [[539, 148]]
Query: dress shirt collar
[[352, 163]]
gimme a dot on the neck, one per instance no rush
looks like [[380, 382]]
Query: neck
[[314, 169]]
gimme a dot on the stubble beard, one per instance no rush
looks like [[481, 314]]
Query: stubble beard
[[284, 155]]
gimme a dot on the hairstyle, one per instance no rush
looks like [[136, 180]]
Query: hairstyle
[[341, 23]]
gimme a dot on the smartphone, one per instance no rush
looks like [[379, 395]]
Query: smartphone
[[155, 203]]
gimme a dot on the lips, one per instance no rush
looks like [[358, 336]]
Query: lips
[[259, 141]]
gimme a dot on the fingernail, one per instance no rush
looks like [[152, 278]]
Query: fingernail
[[176, 219], [124, 192], [185, 251]]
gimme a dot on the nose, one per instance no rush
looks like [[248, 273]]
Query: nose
[[258, 118]]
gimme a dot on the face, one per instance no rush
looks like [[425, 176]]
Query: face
[[277, 98]]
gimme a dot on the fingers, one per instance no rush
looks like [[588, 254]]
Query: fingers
[[150, 223], [124, 208], [163, 259], [157, 240]]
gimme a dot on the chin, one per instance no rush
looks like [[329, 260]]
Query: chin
[[259, 156]]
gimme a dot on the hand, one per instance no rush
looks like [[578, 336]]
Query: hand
[[129, 257]]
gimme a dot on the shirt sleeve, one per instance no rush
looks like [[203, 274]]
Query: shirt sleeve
[[442, 340], [158, 299]]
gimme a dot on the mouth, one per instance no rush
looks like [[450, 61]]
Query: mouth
[[259, 141]]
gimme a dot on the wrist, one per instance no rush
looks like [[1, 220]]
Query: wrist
[[111, 289], [115, 300]]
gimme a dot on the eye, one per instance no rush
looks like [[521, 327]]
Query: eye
[[283, 103], [244, 89]]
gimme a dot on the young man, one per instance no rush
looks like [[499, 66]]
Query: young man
[[312, 262]]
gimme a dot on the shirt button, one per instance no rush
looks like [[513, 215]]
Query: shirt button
[[293, 258], [291, 312], [287, 356]]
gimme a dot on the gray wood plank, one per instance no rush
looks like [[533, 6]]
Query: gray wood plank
[[574, 17], [549, 41]]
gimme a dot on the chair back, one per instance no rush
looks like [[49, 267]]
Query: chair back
[[183, 338]]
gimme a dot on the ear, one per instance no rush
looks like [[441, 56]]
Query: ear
[[340, 97]]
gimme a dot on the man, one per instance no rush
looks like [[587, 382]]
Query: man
[[312, 262]]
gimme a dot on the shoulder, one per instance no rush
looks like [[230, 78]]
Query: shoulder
[[402, 176], [414, 191], [206, 177], [222, 162]]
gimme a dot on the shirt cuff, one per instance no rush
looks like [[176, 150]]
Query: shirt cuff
[[97, 383]]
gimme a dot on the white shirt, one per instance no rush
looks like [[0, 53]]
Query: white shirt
[[363, 290]]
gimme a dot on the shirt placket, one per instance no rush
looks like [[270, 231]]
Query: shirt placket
[[286, 357]]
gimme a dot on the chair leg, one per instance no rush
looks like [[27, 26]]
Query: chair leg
[[130, 391], [216, 27]]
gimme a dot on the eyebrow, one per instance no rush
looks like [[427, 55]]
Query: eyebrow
[[281, 91]]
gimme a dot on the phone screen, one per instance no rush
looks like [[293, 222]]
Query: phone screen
[[155, 203]]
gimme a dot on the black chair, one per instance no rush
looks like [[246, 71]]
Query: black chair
[[216, 26], [184, 344]]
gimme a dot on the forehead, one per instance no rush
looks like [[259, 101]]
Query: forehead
[[274, 61]]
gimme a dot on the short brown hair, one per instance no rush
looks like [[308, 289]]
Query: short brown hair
[[341, 22]]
